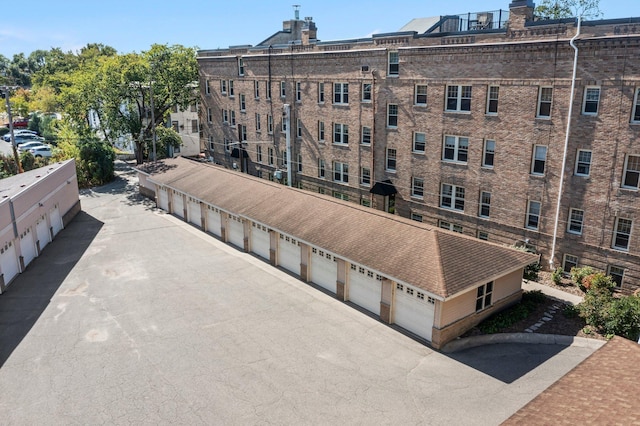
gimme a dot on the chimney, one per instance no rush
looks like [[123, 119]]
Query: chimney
[[309, 31], [520, 12]]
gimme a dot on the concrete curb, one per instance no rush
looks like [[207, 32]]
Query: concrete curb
[[530, 338]]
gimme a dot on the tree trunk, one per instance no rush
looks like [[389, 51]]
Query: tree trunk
[[139, 153]]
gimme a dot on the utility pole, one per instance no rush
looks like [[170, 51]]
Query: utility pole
[[4, 92], [153, 119]]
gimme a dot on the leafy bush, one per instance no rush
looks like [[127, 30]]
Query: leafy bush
[[556, 276], [623, 317], [528, 304], [27, 160], [95, 163], [598, 281], [578, 274]]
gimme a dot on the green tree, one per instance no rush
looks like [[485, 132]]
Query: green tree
[[557, 9], [166, 138]]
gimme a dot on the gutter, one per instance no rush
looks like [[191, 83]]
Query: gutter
[[566, 144]]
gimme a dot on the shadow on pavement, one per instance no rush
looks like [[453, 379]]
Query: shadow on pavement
[[507, 362], [31, 292]]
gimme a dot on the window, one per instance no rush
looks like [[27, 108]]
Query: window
[[175, 126], [258, 124], [320, 93], [223, 87], [450, 226], [492, 100], [271, 157], [283, 122], [227, 145], [268, 90], [419, 142], [483, 235], [299, 163], [483, 296], [243, 132], [545, 95], [225, 116], [365, 176], [452, 197], [340, 133], [194, 107], [298, 91], [569, 261], [583, 163], [485, 204], [576, 219], [340, 172], [231, 93], [533, 214], [417, 187], [340, 196], [243, 103], [366, 135], [616, 273], [365, 202], [321, 168], [488, 153], [366, 92], [233, 118], [420, 96], [635, 114], [392, 115], [458, 98], [455, 149], [209, 115], [394, 63], [194, 126], [256, 89], [320, 131], [391, 159], [622, 234], [212, 144], [299, 128], [341, 93], [259, 154], [269, 123], [591, 101], [539, 159], [240, 67], [417, 217], [283, 89], [631, 175], [207, 89]]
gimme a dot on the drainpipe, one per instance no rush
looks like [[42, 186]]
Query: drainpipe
[[287, 111], [566, 144]]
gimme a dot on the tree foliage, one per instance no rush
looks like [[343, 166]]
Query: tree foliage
[[558, 9]]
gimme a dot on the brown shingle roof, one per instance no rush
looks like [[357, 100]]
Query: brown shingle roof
[[440, 262], [601, 390]]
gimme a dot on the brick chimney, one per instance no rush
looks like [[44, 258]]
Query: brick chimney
[[520, 11], [309, 31]]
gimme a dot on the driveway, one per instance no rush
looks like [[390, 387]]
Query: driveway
[[133, 316]]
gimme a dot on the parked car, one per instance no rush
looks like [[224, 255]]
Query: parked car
[[28, 138], [20, 132], [41, 151], [28, 145]]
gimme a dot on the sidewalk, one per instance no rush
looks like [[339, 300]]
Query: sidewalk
[[553, 293]]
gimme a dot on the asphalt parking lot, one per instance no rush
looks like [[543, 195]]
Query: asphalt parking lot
[[133, 316]]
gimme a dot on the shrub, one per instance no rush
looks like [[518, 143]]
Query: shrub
[[623, 317], [578, 274], [595, 306], [556, 276], [598, 281]]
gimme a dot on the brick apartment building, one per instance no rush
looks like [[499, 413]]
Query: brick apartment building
[[459, 121]]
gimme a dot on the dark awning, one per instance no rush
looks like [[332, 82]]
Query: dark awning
[[384, 188], [236, 154]]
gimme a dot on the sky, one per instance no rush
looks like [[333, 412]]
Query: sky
[[134, 25]]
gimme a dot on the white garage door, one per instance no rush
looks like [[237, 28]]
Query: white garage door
[[365, 289], [193, 210], [324, 269], [163, 199], [177, 204], [42, 229], [260, 241], [9, 262], [27, 247], [236, 231], [414, 311], [56, 220], [289, 254], [213, 221]]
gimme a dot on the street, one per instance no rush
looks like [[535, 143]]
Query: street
[[132, 316]]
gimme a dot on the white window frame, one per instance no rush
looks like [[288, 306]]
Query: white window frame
[[484, 295], [484, 206], [367, 92], [256, 89], [393, 61], [340, 134], [321, 134], [232, 119], [450, 226], [299, 128], [340, 172], [545, 97], [582, 163], [207, 88], [299, 163], [231, 89], [452, 197], [488, 152], [575, 222], [460, 94], [392, 116], [389, 159], [591, 97], [321, 93], [225, 116], [223, 87], [417, 187], [258, 123], [268, 91], [321, 168], [270, 124], [419, 145], [365, 135], [259, 154], [365, 176], [240, 67], [283, 89], [209, 116], [420, 98], [340, 93], [243, 132], [635, 111], [482, 235], [493, 95], [212, 144], [619, 272], [631, 175], [417, 217], [569, 259], [619, 232], [243, 102], [455, 149], [270, 156], [538, 159], [532, 215]]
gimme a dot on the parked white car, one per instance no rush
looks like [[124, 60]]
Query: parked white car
[[28, 145], [41, 151], [21, 132]]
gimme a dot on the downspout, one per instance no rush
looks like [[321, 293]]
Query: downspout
[[566, 144]]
